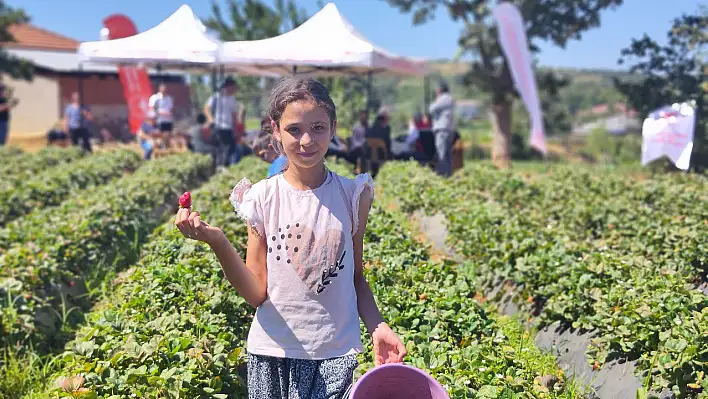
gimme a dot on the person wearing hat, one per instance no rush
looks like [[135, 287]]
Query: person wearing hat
[[220, 110], [443, 114]]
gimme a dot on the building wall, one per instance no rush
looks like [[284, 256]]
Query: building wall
[[36, 111], [103, 93], [43, 100]]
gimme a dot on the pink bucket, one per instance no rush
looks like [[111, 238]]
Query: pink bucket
[[395, 380]]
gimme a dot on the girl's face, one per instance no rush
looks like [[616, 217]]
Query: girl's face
[[305, 131]]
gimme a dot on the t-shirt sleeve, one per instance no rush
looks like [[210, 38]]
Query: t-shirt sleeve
[[361, 182], [246, 199]]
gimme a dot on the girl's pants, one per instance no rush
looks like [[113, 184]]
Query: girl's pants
[[284, 378]]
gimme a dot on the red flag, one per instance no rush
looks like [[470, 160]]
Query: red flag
[[135, 81]]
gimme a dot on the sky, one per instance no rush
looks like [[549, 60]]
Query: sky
[[383, 25]]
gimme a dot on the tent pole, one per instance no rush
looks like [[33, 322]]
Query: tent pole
[[369, 83], [80, 83], [426, 90], [213, 80]]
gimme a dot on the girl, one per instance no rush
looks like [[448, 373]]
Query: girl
[[303, 270]]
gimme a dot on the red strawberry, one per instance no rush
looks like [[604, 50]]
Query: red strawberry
[[185, 200]]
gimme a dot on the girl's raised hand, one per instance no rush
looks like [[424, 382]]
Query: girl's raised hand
[[388, 348], [193, 227]]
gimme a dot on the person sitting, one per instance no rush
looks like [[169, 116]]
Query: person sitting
[[415, 125], [200, 137], [381, 130], [147, 136], [263, 148], [57, 136]]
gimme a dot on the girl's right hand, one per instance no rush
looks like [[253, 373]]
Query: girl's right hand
[[191, 226]]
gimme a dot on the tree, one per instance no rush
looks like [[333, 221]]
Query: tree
[[9, 64], [674, 72], [556, 21]]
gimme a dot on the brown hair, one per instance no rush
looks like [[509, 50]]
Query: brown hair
[[292, 89], [261, 143]]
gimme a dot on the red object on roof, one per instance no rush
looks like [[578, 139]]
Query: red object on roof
[[28, 36], [119, 26]]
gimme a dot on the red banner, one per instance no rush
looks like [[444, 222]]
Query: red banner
[[135, 81]]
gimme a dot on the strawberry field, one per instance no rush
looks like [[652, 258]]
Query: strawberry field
[[101, 296]]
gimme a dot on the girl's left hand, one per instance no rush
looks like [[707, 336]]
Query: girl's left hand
[[388, 348]]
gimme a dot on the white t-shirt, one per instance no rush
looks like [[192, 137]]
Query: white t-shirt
[[222, 110], [164, 104], [310, 311]]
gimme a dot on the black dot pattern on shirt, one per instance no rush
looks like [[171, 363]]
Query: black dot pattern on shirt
[[281, 242]]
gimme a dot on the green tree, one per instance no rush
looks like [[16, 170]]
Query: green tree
[[674, 72], [9, 64], [556, 21]]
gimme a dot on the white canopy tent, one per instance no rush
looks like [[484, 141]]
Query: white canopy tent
[[325, 44], [179, 42], [179, 39]]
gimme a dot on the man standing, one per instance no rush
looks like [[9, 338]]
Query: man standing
[[75, 122], [220, 111], [161, 104], [443, 114], [6, 103]]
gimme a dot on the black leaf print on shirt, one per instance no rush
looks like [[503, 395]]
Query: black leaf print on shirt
[[330, 272]]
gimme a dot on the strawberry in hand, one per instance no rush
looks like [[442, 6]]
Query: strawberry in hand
[[185, 200]]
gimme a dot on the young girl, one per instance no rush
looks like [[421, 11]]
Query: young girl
[[303, 270]]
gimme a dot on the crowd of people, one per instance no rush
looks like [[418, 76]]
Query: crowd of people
[[219, 132]]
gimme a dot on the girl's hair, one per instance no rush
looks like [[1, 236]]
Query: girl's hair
[[292, 89]]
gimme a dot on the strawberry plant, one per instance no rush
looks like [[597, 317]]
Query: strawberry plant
[[176, 328], [25, 165], [52, 186], [617, 257], [56, 256]]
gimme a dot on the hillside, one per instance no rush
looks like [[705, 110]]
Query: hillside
[[587, 88]]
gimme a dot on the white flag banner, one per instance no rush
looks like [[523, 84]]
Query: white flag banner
[[512, 37], [668, 131]]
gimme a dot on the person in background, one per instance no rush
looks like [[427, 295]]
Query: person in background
[[56, 135], [382, 130], [6, 104], [220, 111], [263, 148], [358, 138], [200, 137], [146, 137], [162, 104], [411, 141], [443, 114], [76, 117], [237, 150]]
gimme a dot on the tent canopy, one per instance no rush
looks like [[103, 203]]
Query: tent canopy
[[327, 43], [179, 39]]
